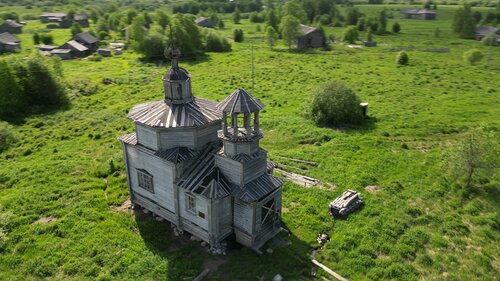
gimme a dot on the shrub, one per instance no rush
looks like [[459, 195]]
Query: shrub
[[333, 103], [46, 39], [402, 58], [153, 45], [473, 56], [238, 35], [271, 36], [396, 27], [7, 137], [488, 40], [350, 35], [216, 43]]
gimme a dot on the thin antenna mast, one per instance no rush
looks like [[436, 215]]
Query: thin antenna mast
[[253, 73]]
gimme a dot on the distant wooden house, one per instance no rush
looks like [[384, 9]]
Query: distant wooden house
[[64, 54], [53, 17], [81, 19], [310, 37], [9, 42], [417, 13], [46, 48], [198, 164], [88, 40], [205, 22], [12, 27], [77, 50], [104, 52], [486, 30]]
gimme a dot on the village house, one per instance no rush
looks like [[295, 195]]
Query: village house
[[12, 27], [486, 30], [9, 42], [310, 37], [417, 13], [197, 163], [76, 49], [87, 40], [82, 20], [64, 54], [53, 17], [205, 22]]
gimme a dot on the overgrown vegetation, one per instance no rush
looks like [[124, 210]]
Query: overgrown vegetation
[[334, 103], [29, 84], [7, 139], [62, 184]]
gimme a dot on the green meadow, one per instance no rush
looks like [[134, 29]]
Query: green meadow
[[63, 182]]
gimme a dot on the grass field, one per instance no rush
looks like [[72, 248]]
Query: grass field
[[60, 185]]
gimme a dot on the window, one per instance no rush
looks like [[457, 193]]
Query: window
[[201, 215], [190, 203], [145, 180]]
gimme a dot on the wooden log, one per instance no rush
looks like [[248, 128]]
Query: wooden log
[[329, 271], [202, 275]]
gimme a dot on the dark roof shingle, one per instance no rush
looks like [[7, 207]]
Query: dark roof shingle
[[240, 102]]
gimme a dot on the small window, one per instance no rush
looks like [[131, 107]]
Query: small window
[[145, 180], [191, 203], [201, 215]]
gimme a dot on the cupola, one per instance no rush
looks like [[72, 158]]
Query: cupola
[[177, 80]]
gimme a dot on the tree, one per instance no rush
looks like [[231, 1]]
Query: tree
[[272, 19], [236, 16], [220, 24], [75, 28], [369, 36], [162, 18], [291, 8], [46, 39], [289, 29], [473, 56], [402, 58], [427, 5], [153, 45], [7, 137], [352, 15], [238, 35], [382, 22], [475, 155], [488, 40], [271, 37], [36, 38], [350, 35], [361, 24], [186, 35], [130, 14], [102, 25], [332, 104], [11, 92], [216, 43], [463, 22], [396, 27]]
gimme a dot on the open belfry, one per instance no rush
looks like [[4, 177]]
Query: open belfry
[[197, 163]]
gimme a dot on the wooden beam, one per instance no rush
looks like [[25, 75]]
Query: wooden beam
[[329, 271], [202, 275]]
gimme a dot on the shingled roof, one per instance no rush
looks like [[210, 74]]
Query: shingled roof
[[304, 29], [12, 23], [166, 115], [240, 102], [7, 38], [86, 38], [257, 189]]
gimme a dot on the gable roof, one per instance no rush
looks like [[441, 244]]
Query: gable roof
[[77, 46], [305, 29], [417, 11], [80, 17], [487, 30], [202, 19], [176, 154], [54, 15], [205, 178], [7, 38], [12, 23], [86, 38], [240, 101], [257, 189]]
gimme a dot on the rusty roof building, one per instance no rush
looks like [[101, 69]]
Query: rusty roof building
[[197, 163]]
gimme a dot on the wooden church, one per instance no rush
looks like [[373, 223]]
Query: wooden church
[[197, 163]]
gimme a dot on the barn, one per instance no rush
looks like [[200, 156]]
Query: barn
[[197, 163], [310, 37]]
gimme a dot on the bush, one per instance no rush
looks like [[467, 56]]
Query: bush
[[238, 35], [7, 137], [47, 39], [350, 35], [402, 58], [396, 27], [216, 43], [473, 56], [488, 40], [334, 103]]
